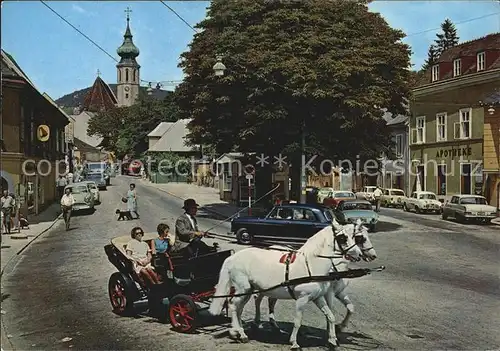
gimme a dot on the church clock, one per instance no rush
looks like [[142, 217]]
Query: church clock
[[126, 88]]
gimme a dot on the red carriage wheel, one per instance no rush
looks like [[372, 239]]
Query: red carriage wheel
[[183, 313], [121, 294]]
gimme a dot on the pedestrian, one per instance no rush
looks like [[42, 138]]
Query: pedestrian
[[8, 205], [132, 200], [377, 194], [61, 184], [67, 202]]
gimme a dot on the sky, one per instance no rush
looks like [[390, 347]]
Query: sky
[[59, 60]]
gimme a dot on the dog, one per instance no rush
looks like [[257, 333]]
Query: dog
[[124, 215], [23, 222]]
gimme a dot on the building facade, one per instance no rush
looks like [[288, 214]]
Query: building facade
[[29, 166], [447, 119], [491, 149], [394, 172]]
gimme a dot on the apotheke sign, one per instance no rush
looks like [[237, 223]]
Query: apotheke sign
[[458, 152]]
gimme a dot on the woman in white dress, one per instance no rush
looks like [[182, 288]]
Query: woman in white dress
[[140, 254]]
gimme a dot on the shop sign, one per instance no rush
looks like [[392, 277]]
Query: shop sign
[[458, 152]]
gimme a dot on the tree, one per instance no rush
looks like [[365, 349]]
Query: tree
[[448, 38], [329, 64], [125, 129], [432, 57]]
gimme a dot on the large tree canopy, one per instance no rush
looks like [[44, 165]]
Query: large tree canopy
[[329, 63], [125, 129]]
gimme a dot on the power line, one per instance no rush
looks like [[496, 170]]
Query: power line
[[79, 31], [461, 22], [179, 16]]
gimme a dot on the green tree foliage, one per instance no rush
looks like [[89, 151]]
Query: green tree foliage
[[125, 129], [448, 38], [170, 163], [330, 63], [432, 57]]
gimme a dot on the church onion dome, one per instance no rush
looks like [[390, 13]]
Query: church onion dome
[[128, 50]]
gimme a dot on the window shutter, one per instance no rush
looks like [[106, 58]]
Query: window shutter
[[456, 130], [414, 135]]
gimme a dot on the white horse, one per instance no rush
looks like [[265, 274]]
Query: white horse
[[337, 287], [259, 269]]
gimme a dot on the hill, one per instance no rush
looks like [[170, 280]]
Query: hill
[[76, 98]]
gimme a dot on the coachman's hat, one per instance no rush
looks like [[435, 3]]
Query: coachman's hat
[[189, 203]]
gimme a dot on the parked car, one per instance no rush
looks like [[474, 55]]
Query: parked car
[[367, 193], [94, 189], [349, 211], [469, 207], [422, 201], [334, 198], [290, 222], [323, 194], [393, 198], [84, 201], [98, 178]]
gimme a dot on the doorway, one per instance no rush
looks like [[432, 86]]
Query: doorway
[[465, 179]]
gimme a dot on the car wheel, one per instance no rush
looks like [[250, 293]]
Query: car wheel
[[244, 237], [405, 208], [417, 209], [444, 216], [372, 228]]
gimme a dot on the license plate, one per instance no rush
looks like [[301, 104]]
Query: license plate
[[481, 213]]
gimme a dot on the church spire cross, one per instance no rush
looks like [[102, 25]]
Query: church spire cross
[[98, 73], [128, 11]]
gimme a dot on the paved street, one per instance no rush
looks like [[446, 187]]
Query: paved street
[[439, 291]]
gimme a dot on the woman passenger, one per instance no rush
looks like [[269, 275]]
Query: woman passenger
[[140, 254], [162, 243]]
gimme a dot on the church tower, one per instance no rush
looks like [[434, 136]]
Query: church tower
[[128, 69]]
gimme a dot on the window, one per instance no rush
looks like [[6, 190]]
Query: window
[[457, 67], [418, 133], [481, 58], [473, 200], [281, 213], [300, 214], [126, 96], [441, 181], [126, 75], [227, 180], [119, 75], [463, 129], [399, 145], [466, 179], [454, 200], [435, 73], [441, 127]]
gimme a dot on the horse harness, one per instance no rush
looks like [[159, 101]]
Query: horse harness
[[290, 258]]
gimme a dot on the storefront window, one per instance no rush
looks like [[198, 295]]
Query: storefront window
[[441, 181], [465, 179]]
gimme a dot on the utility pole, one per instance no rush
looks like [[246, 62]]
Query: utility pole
[[303, 177]]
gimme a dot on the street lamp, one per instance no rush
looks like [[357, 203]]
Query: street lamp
[[491, 110], [219, 69]]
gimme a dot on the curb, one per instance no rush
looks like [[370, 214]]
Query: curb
[[9, 261]]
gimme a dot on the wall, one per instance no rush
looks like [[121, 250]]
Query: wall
[[492, 140], [11, 115]]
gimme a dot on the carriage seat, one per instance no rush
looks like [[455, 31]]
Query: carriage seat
[[121, 242]]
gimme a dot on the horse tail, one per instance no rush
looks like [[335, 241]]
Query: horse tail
[[223, 288]]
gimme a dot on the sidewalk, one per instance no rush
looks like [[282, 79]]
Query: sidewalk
[[496, 221], [15, 243], [208, 198]]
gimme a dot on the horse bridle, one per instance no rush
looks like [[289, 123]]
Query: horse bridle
[[343, 252]]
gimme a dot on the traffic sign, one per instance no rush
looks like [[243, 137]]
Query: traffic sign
[[249, 169], [249, 176], [43, 132]]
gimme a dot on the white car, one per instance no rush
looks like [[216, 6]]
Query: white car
[[323, 194], [393, 198], [367, 193], [469, 207], [422, 201], [94, 190], [84, 200]]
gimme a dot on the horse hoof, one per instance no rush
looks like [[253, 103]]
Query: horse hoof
[[234, 335], [333, 345], [295, 348], [244, 339]]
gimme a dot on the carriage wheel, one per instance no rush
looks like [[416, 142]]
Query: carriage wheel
[[183, 313], [121, 294]]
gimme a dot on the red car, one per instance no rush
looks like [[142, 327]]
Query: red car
[[334, 197]]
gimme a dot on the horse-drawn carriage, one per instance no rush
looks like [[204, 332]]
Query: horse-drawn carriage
[[186, 288]]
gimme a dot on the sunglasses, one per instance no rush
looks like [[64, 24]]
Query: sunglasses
[[139, 233]]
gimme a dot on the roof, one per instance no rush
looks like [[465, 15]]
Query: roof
[[46, 96], [311, 206], [471, 48], [11, 68], [83, 146], [361, 201], [174, 138], [81, 125], [490, 42], [99, 97], [160, 129]]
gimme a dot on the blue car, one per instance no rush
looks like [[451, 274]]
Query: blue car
[[284, 223], [349, 211]]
